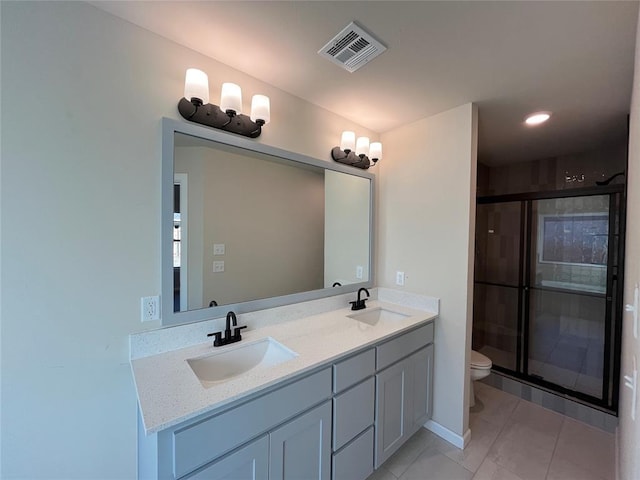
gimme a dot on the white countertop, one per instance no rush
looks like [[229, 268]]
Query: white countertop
[[169, 392]]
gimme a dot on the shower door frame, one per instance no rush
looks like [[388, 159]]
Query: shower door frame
[[614, 290]]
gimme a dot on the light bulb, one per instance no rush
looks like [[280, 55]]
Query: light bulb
[[362, 146], [375, 151], [231, 98], [348, 141], [537, 118], [196, 85], [260, 108]]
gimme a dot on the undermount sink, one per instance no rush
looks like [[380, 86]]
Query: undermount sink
[[234, 361], [375, 315]]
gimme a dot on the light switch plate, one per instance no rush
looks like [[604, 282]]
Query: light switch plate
[[218, 266]]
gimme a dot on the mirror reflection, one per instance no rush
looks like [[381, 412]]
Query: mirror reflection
[[250, 226]]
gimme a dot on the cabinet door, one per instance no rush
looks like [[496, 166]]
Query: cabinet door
[[393, 409], [250, 462], [421, 372], [301, 449]]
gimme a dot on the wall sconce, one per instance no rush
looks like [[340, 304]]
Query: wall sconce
[[356, 152], [195, 106]]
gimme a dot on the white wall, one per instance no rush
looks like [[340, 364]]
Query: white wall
[[346, 234], [629, 430], [426, 229], [82, 97]]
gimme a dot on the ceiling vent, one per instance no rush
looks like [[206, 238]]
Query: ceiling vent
[[352, 48]]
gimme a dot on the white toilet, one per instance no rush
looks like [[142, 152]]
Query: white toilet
[[480, 368]]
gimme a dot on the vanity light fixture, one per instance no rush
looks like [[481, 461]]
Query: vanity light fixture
[[537, 118], [357, 152], [195, 106]]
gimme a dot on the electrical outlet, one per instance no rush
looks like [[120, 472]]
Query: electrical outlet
[[218, 266], [149, 308], [218, 248], [400, 278], [359, 272]]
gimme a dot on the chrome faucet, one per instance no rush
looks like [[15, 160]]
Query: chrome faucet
[[228, 338], [359, 304]]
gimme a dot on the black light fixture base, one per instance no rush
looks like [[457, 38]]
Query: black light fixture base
[[350, 158], [211, 116]]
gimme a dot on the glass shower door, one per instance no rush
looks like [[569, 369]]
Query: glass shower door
[[568, 282], [497, 288]]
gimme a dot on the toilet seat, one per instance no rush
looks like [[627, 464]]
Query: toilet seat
[[479, 360]]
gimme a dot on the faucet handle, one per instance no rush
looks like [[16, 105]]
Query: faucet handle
[[236, 332], [217, 340], [358, 305]]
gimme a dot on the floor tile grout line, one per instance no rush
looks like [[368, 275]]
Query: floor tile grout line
[[501, 429], [422, 450], [500, 433], [555, 446]]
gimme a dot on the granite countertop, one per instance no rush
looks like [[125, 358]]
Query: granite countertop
[[169, 391]]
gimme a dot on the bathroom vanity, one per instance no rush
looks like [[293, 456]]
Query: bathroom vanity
[[313, 390], [357, 386]]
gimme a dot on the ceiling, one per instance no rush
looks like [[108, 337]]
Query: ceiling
[[510, 58]]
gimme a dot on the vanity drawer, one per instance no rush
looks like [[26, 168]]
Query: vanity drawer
[[353, 411], [355, 461], [398, 348], [353, 370], [201, 442]]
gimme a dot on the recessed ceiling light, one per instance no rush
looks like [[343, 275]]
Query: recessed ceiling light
[[537, 118]]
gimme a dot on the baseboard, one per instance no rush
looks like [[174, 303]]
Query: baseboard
[[616, 467], [446, 434]]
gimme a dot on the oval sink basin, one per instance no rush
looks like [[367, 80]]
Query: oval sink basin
[[375, 315], [232, 362]]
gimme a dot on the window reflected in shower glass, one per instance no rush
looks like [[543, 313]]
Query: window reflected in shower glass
[[495, 324], [571, 245]]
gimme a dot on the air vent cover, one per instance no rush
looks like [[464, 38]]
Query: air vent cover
[[352, 48]]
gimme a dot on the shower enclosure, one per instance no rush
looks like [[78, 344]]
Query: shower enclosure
[[548, 289]]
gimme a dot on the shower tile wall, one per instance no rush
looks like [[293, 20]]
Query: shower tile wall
[[495, 330], [556, 173], [497, 269]]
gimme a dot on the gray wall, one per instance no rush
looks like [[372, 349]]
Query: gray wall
[[270, 218], [83, 94]]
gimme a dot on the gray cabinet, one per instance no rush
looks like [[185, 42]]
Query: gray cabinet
[[250, 462], [353, 416], [403, 389], [353, 412], [422, 378], [301, 449], [355, 461], [393, 419]]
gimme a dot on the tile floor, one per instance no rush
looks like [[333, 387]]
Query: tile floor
[[512, 439]]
